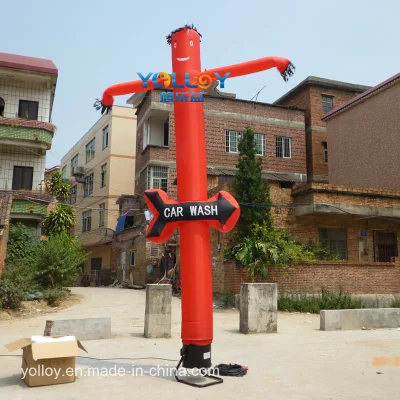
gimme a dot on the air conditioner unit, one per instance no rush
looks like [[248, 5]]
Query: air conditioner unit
[[79, 173]]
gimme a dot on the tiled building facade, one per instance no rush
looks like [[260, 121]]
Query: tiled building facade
[[27, 89]]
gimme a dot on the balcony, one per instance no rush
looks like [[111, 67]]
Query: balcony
[[37, 134]]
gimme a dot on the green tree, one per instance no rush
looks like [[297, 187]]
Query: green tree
[[250, 187], [59, 259], [62, 219]]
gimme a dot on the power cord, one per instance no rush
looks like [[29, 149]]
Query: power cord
[[231, 369]]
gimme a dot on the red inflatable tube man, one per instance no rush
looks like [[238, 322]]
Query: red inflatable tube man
[[194, 213]]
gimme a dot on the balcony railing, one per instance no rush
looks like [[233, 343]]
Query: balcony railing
[[15, 115]]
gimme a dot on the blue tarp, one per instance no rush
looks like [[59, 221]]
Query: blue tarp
[[120, 224]]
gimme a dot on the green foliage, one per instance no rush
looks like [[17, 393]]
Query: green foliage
[[227, 298], [22, 274], [53, 296], [396, 303], [250, 187], [322, 253], [59, 259], [266, 248], [58, 187], [314, 304], [22, 243], [11, 294], [61, 220]]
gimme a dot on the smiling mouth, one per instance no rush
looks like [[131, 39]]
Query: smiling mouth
[[183, 59]]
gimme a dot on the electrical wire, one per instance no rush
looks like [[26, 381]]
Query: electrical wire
[[106, 359]]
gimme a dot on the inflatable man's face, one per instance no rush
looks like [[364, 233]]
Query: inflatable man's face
[[185, 46]]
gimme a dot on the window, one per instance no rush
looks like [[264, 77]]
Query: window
[[102, 208], [327, 104], [283, 147], [90, 150], [74, 164], [286, 185], [72, 198], [28, 109], [166, 132], [64, 172], [334, 240], [232, 140], [105, 137], [87, 221], [132, 259], [385, 244], [146, 133], [2, 107], [22, 178], [259, 138], [103, 175], [88, 185], [325, 144], [157, 178]]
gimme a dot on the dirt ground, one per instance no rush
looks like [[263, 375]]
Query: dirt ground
[[299, 362], [30, 309]]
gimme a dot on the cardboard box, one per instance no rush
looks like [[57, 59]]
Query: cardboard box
[[48, 363]]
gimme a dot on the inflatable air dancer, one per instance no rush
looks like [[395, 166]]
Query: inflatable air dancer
[[194, 213]]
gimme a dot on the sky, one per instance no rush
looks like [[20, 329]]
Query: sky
[[95, 44]]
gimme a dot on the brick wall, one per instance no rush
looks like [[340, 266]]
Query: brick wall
[[223, 114], [5, 208], [355, 278], [310, 100]]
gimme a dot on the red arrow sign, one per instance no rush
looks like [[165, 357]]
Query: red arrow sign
[[220, 211]]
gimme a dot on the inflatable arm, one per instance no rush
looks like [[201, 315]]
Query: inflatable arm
[[120, 89], [284, 66]]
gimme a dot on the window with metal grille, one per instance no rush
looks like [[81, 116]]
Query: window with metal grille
[[157, 178], [132, 259], [22, 178], [325, 144], [87, 221], [102, 208], [72, 198], [327, 104], [283, 147], [90, 150], [64, 172], [385, 246], [105, 137], [154, 252], [28, 109], [103, 175], [232, 141], [88, 185], [334, 240], [259, 139], [166, 132], [74, 163]]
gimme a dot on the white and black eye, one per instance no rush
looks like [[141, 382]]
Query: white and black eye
[[175, 44], [191, 43]]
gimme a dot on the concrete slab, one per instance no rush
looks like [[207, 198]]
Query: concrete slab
[[82, 328], [374, 318]]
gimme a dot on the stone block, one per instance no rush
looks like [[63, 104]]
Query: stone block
[[82, 329], [157, 321], [258, 308]]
